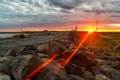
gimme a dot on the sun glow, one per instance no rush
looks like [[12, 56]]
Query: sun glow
[[91, 31]]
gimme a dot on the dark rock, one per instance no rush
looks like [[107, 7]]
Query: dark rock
[[117, 49], [5, 65], [52, 71], [84, 59], [116, 65], [55, 48], [71, 68], [13, 51], [23, 65], [88, 75], [64, 41], [27, 52], [19, 36], [29, 47], [118, 58]]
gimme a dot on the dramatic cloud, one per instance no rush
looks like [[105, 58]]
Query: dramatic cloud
[[60, 13]]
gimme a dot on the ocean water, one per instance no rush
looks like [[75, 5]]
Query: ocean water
[[6, 35]]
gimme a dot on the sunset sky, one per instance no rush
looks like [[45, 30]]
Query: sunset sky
[[37, 15]]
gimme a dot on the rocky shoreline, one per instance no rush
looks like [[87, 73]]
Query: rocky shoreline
[[89, 63]]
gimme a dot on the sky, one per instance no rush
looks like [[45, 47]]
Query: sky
[[37, 15]]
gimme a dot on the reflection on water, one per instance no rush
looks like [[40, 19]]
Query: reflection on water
[[6, 35]]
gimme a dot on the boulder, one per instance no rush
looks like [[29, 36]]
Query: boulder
[[88, 75], [55, 48], [13, 51], [52, 71], [64, 41], [29, 47], [72, 69], [5, 65], [101, 77], [116, 65], [105, 70], [27, 52], [117, 49], [5, 77], [43, 47], [23, 65], [84, 59]]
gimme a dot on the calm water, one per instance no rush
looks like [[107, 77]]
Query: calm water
[[6, 35]]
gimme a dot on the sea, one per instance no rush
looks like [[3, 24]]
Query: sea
[[6, 35]]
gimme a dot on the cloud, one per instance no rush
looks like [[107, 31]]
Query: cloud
[[56, 12]]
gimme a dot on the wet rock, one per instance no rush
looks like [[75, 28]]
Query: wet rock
[[72, 69], [43, 47], [5, 77], [27, 52], [84, 59], [101, 77], [88, 75], [23, 65], [52, 71]]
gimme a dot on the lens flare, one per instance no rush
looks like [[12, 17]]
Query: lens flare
[[74, 52], [38, 69]]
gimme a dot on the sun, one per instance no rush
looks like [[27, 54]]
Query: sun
[[91, 31]]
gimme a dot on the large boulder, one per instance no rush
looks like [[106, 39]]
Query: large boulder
[[52, 71], [5, 77], [23, 65], [72, 69], [84, 59], [13, 51], [5, 65], [43, 47], [55, 48]]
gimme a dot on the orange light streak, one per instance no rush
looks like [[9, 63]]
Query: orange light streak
[[38, 69], [74, 52]]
